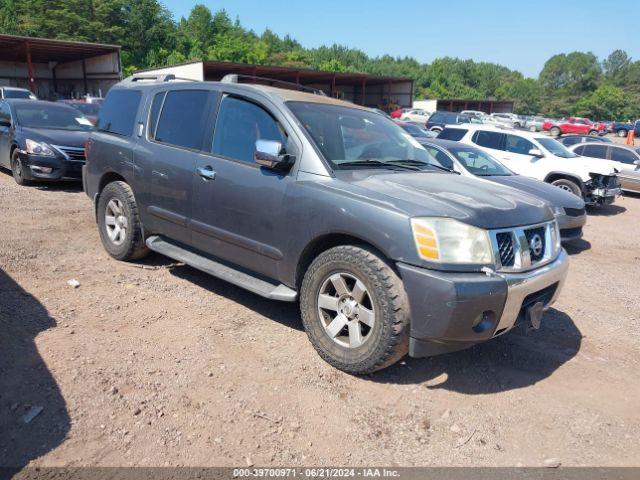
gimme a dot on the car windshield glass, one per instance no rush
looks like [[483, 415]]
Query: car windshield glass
[[16, 94], [415, 130], [87, 108], [51, 117], [353, 138], [556, 148], [479, 163]]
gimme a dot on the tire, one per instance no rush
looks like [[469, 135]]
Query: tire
[[436, 129], [554, 131], [594, 133], [122, 236], [569, 186], [622, 133], [17, 169], [384, 337], [532, 128]]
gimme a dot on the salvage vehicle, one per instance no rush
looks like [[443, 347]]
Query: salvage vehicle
[[625, 159], [42, 141], [568, 209], [622, 129], [416, 131], [14, 92], [439, 120], [578, 125], [297, 196], [544, 158], [416, 115], [534, 124], [89, 110], [508, 119]]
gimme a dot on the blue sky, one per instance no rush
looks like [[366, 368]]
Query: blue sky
[[520, 34]]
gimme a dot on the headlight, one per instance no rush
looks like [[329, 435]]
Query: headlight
[[557, 211], [39, 148], [445, 240]]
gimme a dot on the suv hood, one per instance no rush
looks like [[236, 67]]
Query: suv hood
[[67, 138], [551, 194], [430, 194]]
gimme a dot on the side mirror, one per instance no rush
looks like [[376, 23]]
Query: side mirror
[[271, 154], [637, 162], [5, 123], [536, 153]]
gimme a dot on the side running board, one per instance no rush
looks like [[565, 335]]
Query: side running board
[[224, 272]]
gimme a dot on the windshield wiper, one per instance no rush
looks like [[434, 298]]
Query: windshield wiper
[[425, 164], [378, 163]]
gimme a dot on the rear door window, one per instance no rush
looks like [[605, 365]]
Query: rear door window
[[579, 150], [454, 134], [596, 151], [442, 157], [118, 112], [622, 155], [488, 139], [239, 125], [183, 118]]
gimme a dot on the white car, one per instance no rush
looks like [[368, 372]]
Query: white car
[[509, 119], [538, 156], [416, 115], [625, 159], [14, 92]]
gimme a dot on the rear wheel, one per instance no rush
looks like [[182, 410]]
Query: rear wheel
[[622, 133], [532, 128], [355, 310], [17, 169], [554, 131], [119, 223], [594, 133], [568, 185]]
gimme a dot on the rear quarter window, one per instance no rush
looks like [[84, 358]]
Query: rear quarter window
[[183, 118], [487, 139], [454, 134], [118, 112]]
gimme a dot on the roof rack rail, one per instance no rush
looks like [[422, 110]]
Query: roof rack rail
[[162, 77], [236, 78]]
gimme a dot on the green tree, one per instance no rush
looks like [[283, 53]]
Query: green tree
[[607, 102], [526, 92]]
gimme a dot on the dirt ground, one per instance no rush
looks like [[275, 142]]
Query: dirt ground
[[153, 364]]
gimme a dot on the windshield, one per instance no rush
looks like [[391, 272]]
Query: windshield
[[87, 108], [51, 117], [9, 93], [415, 131], [556, 148], [479, 163], [353, 138]]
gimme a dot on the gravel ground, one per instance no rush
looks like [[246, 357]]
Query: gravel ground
[[155, 364]]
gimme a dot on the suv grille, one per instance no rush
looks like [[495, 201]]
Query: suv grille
[[72, 153], [523, 248], [574, 212], [536, 241], [505, 248]]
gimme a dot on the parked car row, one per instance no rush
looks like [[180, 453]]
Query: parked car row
[[391, 241]]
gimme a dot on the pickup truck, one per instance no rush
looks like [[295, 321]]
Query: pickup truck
[[573, 125], [622, 129]]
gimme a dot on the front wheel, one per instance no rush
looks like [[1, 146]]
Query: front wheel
[[17, 169], [119, 223], [568, 186], [622, 133], [355, 310], [532, 128], [594, 133]]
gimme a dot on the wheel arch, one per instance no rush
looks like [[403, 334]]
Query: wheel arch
[[106, 179], [553, 176], [329, 240]]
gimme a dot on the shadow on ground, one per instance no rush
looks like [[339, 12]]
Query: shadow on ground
[[69, 186], [27, 388], [606, 210], [575, 247], [288, 314], [518, 359]]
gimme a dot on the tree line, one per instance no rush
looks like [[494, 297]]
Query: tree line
[[576, 83]]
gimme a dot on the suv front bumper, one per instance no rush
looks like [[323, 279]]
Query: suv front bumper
[[453, 311]]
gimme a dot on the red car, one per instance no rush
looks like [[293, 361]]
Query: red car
[[398, 113], [582, 126], [90, 110]]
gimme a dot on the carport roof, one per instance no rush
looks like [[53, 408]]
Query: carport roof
[[13, 48]]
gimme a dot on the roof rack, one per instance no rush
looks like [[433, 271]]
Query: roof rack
[[236, 78], [162, 77]]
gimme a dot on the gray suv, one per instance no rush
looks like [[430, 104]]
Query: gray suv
[[299, 197]]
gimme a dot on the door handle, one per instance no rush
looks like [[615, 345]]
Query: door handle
[[207, 173]]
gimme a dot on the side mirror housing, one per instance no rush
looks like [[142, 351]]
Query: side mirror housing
[[536, 153], [271, 154]]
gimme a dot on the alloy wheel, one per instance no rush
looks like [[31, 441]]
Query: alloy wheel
[[116, 222], [346, 309]]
